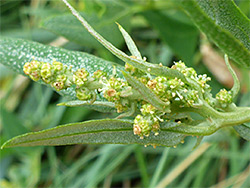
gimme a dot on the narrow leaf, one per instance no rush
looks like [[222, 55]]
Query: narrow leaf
[[106, 131], [101, 106], [224, 24], [130, 43]]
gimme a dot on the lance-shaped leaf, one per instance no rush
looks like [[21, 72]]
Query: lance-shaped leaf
[[101, 106], [223, 23], [14, 53], [147, 94], [138, 63], [108, 131], [130, 43]]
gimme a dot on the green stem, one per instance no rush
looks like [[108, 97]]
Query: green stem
[[242, 115], [236, 87], [138, 63], [222, 119]]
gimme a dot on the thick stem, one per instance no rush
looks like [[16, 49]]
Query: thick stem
[[203, 129], [242, 115], [216, 120]]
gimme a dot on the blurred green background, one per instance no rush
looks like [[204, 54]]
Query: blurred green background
[[163, 34]]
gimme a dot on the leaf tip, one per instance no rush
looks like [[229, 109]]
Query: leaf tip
[[5, 145], [60, 104]]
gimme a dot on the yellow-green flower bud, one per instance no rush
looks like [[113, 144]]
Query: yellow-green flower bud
[[83, 94], [58, 85], [27, 68], [173, 84], [224, 97], [130, 68], [33, 69], [99, 74], [143, 125], [60, 82], [120, 107], [57, 67], [147, 109], [191, 97], [179, 66], [46, 73], [80, 77]]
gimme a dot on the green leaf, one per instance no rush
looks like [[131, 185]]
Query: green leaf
[[101, 106], [106, 131], [180, 36], [130, 43], [224, 24], [14, 53], [138, 63], [243, 130], [67, 26]]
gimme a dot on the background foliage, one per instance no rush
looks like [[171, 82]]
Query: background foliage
[[163, 33]]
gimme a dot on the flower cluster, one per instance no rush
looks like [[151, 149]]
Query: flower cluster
[[148, 121], [173, 91], [61, 77], [55, 74], [191, 73], [170, 91], [224, 98], [113, 90]]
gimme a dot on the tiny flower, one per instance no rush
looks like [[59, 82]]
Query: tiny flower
[[224, 97], [80, 77], [58, 85], [120, 107], [57, 67], [60, 82], [111, 92], [46, 72], [148, 109], [99, 74], [143, 125], [152, 83], [136, 129], [130, 68], [83, 94], [144, 80], [33, 69], [27, 68]]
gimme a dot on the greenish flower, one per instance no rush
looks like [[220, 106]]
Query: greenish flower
[[143, 125], [58, 67], [60, 82], [83, 94], [130, 68], [80, 77], [97, 75], [33, 69], [148, 109], [224, 97], [46, 73]]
